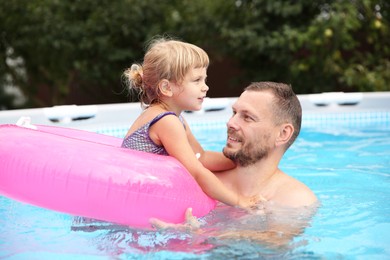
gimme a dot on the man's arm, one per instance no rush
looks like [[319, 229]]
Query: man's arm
[[281, 225], [292, 193]]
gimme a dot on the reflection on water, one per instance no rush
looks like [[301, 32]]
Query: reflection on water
[[269, 230]]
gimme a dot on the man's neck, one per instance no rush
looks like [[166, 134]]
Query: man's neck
[[256, 178]]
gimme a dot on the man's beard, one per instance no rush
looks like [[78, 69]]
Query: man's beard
[[249, 153]]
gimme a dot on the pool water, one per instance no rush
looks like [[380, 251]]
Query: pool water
[[347, 167], [349, 171]]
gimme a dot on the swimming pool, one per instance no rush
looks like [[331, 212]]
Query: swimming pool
[[342, 153]]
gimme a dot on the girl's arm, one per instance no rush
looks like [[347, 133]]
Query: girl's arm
[[169, 131], [214, 161]]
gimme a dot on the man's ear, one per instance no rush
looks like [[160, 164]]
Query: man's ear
[[165, 88], [285, 133]]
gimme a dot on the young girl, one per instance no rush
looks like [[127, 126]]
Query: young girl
[[172, 79]]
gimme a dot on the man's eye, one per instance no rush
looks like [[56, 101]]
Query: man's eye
[[248, 118]]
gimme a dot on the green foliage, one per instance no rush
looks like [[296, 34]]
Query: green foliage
[[73, 46], [59, 52], [346, 48], [316, 46], [258, 34]]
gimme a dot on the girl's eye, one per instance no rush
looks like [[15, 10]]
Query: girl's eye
[[200, 80]]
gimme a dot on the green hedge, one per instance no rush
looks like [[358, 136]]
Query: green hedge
[[61, 52]]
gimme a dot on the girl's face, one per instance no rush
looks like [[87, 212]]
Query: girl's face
[[189, 95]]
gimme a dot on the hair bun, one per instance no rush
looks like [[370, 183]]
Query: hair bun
[[134, 76]]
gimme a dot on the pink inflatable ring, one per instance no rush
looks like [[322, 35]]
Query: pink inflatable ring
[[87, 174]]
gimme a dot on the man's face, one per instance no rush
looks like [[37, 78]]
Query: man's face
[[251, 131]]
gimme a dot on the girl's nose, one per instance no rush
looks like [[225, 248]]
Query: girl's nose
[[205, 88]]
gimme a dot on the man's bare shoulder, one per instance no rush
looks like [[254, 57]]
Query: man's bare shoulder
[[293, 193]]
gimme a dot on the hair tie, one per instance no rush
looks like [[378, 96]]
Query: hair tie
[[136, 69]]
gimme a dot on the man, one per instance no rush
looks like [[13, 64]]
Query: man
[[266, 121]]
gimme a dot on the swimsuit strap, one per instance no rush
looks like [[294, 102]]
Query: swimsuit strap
[[159, 116]]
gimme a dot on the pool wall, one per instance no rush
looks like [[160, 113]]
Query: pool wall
[[335, 108]]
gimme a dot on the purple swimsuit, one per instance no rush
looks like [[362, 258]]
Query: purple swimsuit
[[140, 140]]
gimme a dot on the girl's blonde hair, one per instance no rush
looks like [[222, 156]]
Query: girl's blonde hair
[[164, 59]]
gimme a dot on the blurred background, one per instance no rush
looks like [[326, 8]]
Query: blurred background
[[59, 52]]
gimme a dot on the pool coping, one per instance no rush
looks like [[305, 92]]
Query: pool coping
[[332, 108]]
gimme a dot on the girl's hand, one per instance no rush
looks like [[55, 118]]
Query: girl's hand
[[191, 223], [250, 203]]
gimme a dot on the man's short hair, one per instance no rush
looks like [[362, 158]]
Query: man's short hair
[[286, 106]]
